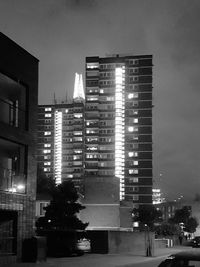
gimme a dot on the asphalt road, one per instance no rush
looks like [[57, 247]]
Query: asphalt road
[[153, 262]]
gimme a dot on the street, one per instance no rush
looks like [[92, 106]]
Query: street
[[150, 262]]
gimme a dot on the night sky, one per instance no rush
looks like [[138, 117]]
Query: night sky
[[61, 33]]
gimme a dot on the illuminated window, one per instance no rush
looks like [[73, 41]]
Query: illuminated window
[[92, 98], [66, 110], [133, 171], [46, 151], [47, 163], [133, 154], [135, 120], [133, 180], [132, 129], [101, 91], [75, 157], [47, 157], [130, 96], [47, 169], [92, 139], [135, 162], [78, 116], [91, 131], [78, 133], [47, 145], [94, 65], [47, 133], [78, 151], [48, 115], [47, 109], [135, 112], [92, 148]]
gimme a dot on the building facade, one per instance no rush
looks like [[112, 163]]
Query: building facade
[[118, 122], [18, 118], [61, 138], [106, 141], [118, 139]]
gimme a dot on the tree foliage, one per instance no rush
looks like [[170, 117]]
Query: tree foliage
[[62, 211], [167, 229], [147, 215], [191, 225], [180, 216], [183, 215], [45, 185]]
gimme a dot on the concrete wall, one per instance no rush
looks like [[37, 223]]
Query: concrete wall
[[125, 216], [130, 242], [102, 203]]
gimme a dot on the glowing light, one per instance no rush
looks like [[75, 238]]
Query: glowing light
[[58, 147], [20, 187], [78, 87], [135, 224], [47, 109], [119, 128]]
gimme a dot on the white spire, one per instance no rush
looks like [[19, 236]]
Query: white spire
[[78, 88]]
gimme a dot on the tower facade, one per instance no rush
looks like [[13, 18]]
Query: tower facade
[[60, 138], [118, 124]]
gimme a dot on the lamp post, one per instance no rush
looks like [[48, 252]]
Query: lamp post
[[148, 243]]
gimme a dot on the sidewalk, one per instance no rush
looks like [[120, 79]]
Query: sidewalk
[[100, 260]]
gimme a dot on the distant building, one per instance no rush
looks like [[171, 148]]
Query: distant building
[[18, 118], [157, 196], [168, 208], [103, 142], [60, 147]]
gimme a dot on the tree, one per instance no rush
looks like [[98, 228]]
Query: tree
[[45, 185], [147, 215], [167, 229], [183, 216], [62, 210], [191, 225]]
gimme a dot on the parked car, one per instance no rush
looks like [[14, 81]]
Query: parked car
[[84, 245], [196, 242], [190, 258]]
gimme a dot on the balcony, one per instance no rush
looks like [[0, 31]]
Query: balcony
[[12, 103]]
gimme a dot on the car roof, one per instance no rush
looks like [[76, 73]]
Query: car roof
[[187, 255]]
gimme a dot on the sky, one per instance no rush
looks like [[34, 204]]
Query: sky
[[61, 33]]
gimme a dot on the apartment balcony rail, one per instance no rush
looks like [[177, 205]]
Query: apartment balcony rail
[[12, 114]]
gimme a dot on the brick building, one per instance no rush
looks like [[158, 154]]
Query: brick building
[[18, 117]]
